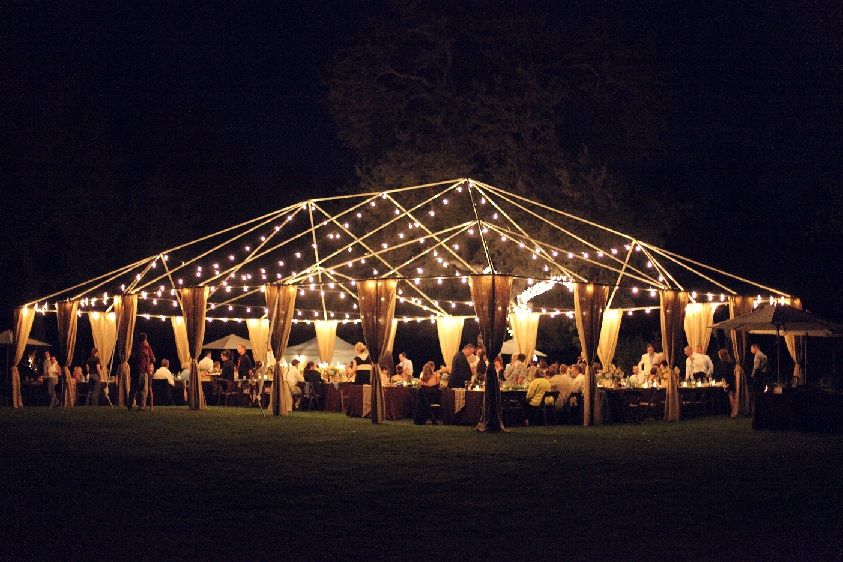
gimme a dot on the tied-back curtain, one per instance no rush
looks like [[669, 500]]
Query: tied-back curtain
[[673, 304], [194, 303], [796, 348], [698, 320], [491, 295], [180, 335], [126, 308], [68, 322], [525, 329], [23, 326], [258, 338], [738, 306], [326, 338], [280, 303], [104, 332], [376, 299], [449, 330], [589, 304], [609, 331]]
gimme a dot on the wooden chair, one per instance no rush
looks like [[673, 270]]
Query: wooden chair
[[311, 397]]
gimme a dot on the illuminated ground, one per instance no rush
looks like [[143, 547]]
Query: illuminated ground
[[230, 484]]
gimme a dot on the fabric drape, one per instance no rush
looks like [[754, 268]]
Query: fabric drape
[[491, 295], [194, 304], [589, 304], [390, 342], [23, 326], [698, 320], [281, 304], [376, 299], [738, 306], [326, 337], [525, 328], [258, 338], [68, 322], [796, 348], [126, 309], [449, 330], [104, 332], [609, 331], [673, 306], [180, 335]]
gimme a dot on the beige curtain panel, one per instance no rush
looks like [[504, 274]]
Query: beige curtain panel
[[698, 320], [609, 331], [491, 295], [738, 306], [194, 304], [180, 335], [126, 308], [525, 330], [795, 347], [326, 338], [671, 401], [258, 338], [281, 304], [589, 304], [23, 326], [104, 332], [68, 322], [449, 330], [376, 299]]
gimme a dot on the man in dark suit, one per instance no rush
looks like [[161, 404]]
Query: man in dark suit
[[460, 369]]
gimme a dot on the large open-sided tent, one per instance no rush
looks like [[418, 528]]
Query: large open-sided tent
[[431, 239]]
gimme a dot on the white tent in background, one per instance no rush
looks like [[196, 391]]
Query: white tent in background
[[309, 351], [231, 341], [509, 347]]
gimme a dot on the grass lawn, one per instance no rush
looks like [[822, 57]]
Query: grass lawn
[[227, 483]]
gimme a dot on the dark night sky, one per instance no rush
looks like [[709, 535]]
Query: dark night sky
[[224, 106]]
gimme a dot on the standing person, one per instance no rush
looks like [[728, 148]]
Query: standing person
[[697, 365], [460, 369], [648, 360], [206, 365], [244, 363], [726, 372], [94, 378], [293, 378], [405, 364], [27, 367], [760, 370], [227, 368], [362, 364], [142, 359], [51, 375]]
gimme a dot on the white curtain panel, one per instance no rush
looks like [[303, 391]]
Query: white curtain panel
[[525, 329], [449, 329], [609, 336], [180, 333], [326, 338], [258, 337], [698, 320], [104, 331]]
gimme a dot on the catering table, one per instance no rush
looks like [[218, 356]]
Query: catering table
[[34, 393], [398, 401], [470, 412], [693, 401]]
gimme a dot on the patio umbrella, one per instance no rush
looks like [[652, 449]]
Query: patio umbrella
[[781, 320], [6, 337], [509, 347], [231, 341]]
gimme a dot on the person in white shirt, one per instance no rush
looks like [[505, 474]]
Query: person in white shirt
[[206, 365], [163, 373], [405, 364], [577, 379], [648, 360], [562, 382], [293, 378], [184, 374], [697, 365]]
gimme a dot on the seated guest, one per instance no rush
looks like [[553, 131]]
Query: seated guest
[[563, 383], [516, 372], [577, 378], [398, 377], [163, 373], [227, 369], [428, 394], [350, 372], [312, 375], [362, 364], [217, 368], [293, 378], [535, 395], [429, 377], [499, 368], [184, 374]]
